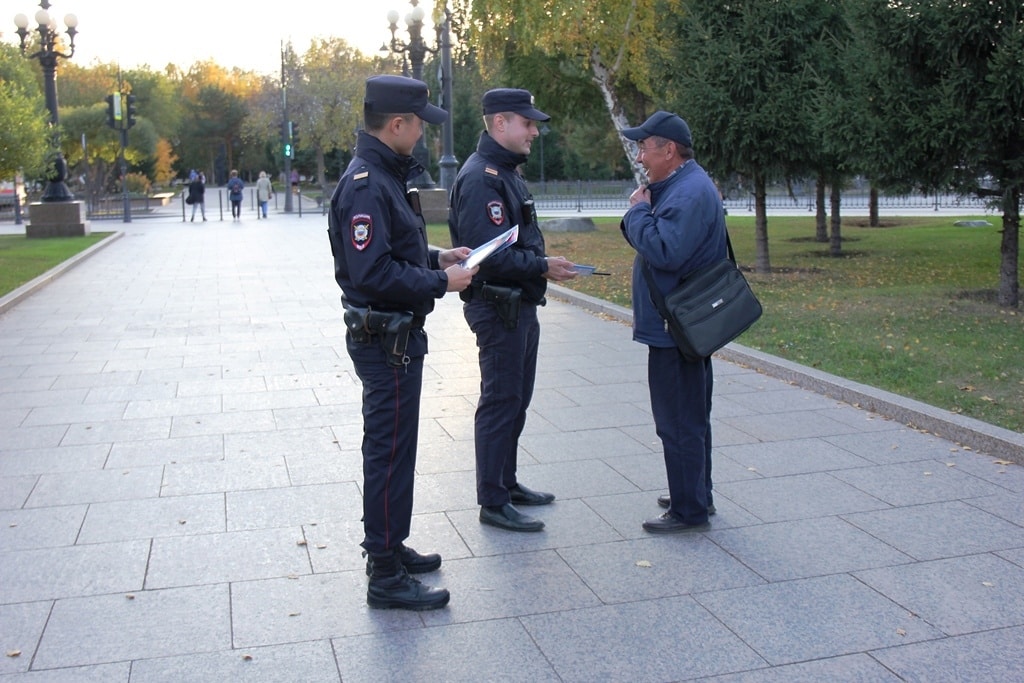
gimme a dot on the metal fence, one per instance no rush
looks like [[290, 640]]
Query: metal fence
[[614, 195], [561, 195]]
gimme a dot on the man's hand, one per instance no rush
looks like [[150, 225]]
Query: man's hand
[[640, 194], [560, 269], [449, 257], [459, 277]]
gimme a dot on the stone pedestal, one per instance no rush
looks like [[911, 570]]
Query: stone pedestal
[[574, 224], [57, 219], [434, 204]]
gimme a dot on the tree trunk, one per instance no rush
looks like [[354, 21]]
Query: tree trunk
[[321, 167], [763, 264], [873, 207], [1009, 249], [820, 224], [836, 242], [603, 77]]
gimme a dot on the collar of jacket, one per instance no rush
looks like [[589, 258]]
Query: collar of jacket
[[489, 148], [373, 150]]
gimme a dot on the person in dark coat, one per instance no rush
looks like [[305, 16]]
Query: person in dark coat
[[196, 194], [676, 225], [488, 198], [389, 280]]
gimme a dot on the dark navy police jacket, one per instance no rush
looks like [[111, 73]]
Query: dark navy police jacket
[[381, 257], [487, 200]]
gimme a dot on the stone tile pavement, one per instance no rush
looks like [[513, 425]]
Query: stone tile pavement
[[180, 499]]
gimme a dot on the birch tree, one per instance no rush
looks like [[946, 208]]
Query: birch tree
[[612, 39]]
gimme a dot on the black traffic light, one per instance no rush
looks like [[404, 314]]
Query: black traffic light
[[130, 121], [112, 109], [295, 133]]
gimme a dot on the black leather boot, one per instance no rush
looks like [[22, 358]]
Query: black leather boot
[[413, 562], [391, 587]]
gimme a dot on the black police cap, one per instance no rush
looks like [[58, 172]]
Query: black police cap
[[401, 95], [501, 100]]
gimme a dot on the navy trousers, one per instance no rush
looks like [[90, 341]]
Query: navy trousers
[[681, 402], [508, 368], [391, 417]]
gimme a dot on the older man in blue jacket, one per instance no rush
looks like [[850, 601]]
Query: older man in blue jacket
[[676, 224]]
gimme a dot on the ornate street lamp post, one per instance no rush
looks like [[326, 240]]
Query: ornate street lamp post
[[48, 55], [449, 164], [417, 50]]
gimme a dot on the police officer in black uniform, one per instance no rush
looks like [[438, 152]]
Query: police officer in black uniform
[[489, 197], [389, 281]]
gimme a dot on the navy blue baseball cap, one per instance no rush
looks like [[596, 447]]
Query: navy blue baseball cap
[[662, 124], [501, 100], [401, 95]]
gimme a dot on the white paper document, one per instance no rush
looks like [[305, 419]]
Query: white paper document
[[502, 241]]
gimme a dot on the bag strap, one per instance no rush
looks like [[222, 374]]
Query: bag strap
[[656, 295]]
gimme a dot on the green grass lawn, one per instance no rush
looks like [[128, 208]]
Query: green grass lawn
[[22, 259], [909, 307]]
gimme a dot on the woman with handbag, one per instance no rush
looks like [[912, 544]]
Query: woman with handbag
[[197, 194], [677, 225]]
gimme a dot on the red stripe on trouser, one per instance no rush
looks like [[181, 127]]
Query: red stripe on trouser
[[391, 462]]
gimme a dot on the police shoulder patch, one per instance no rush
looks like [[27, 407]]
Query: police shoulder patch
[[361, 231], [490, 171], [496, 212], [360, 176]]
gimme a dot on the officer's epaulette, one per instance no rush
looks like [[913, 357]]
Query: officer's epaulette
[[491, 171], [361, 178]]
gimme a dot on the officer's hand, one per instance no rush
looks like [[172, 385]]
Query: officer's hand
[[560, 269], [449, 257], [459, 277]]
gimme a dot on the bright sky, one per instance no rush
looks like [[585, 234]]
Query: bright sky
[[243, 34]]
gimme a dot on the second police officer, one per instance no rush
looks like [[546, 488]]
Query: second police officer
[[489, 197]]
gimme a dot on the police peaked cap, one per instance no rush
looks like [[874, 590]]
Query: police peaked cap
[[501, 100], [401, 95]]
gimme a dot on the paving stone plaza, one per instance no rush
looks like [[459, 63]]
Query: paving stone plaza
[[180, 484]]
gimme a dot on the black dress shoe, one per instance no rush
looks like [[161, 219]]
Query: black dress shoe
[[401, 591], [507, 517], [664, 501], [521, 495], [668, 523], [413, 562]]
